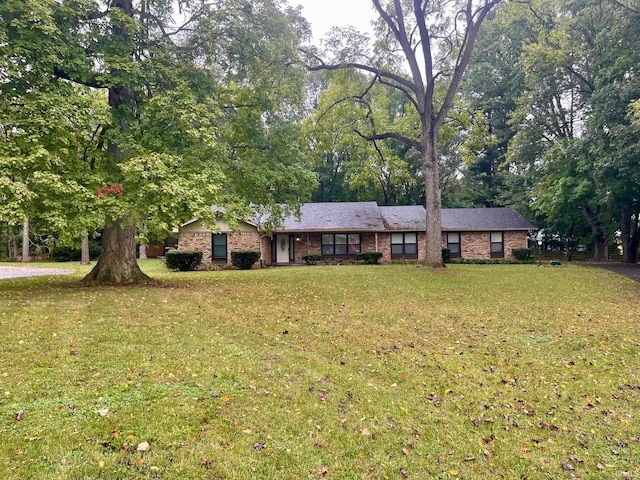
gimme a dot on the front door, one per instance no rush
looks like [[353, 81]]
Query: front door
[[283, 253]]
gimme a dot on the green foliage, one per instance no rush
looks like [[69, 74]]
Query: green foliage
[[244, 259], [523, 254], [446, 255], [312, 259], [370, 258], [183, 260], [96, 95]]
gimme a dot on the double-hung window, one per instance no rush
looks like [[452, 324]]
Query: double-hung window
[[340, 243], [497, 245], [219, 242], [404, 245], [453, 244]]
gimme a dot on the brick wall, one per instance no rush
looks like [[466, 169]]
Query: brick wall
[[478, 244], [196, 241], [235, 241]]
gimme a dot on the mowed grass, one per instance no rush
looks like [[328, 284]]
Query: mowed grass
[[336, 372]]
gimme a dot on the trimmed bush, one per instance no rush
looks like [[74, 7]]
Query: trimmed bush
[[183, 260], [244, 259], [523, 254], [446, 255], [370, 258], [312, 259]]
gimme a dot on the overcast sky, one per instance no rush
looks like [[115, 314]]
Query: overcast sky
[[324, 14]]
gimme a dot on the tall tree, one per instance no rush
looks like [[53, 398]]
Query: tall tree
[[435, 40], [201, 107]]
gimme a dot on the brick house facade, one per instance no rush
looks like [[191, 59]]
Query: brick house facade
[[341, 230]]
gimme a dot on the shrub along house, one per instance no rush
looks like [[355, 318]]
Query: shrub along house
[[340, 231]]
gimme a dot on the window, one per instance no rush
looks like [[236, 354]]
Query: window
[[453, 244], [404, 245], [340, 243], [220, 247], [497, 245]]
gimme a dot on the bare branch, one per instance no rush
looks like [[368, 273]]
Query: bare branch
[[391, 136], [473, 27], [360, 66]]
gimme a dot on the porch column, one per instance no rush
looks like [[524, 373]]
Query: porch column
[[376, 236]]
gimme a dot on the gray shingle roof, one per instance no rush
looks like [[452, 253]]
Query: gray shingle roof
[[368, 216], [483, 219], [335, 216], [407, 218]]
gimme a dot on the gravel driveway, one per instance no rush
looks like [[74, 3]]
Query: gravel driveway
[[15, 272]]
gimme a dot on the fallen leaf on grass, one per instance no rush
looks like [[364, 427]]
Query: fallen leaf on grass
[[103, 412], [323, 471], [143, 447], [403, 472], [567, 466], [365, 432], [139, 462], [575, 459], [19, 415]]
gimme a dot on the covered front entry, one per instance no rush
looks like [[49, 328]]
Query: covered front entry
[[283, 246]]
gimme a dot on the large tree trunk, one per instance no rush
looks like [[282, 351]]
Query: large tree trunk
[[25, 241], [630, 236], [433, 203], [117, 263], [599, 236]]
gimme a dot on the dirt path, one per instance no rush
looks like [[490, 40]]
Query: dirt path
[[16, 272]]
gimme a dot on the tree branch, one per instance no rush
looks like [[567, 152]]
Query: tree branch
[[90, 82], [471, 33], [360, 66], [391, 136]]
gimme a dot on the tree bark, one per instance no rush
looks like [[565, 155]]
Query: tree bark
[[142, 255], [599, 236], [25, 241], [13, 248], [142, 250], [117, 263], [433, 203], [84, 256], [629, 229]]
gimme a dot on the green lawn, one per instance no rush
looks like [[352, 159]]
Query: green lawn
[[337, 372]]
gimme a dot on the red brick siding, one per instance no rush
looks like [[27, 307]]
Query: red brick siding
[[478, 244], [235, 241]]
